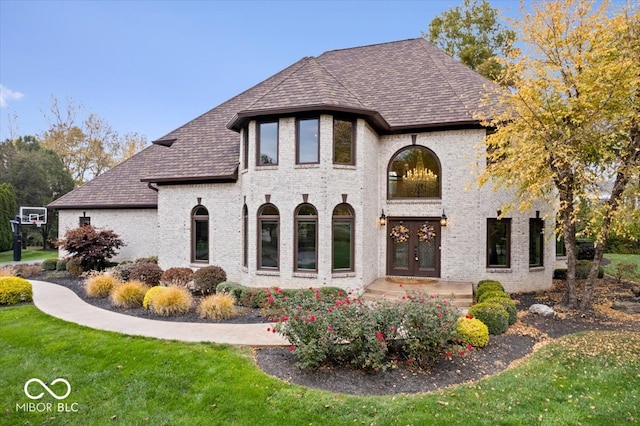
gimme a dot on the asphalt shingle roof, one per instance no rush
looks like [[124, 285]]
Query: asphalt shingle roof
[[397, 86]]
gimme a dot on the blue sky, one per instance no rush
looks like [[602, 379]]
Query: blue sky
[[151, 66]]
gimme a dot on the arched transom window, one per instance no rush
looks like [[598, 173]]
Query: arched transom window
[[414, 172]]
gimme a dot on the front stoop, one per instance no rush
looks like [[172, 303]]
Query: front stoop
[[459, 294]]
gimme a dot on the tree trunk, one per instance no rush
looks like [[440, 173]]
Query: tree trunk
[[628, 161], [570, 299]]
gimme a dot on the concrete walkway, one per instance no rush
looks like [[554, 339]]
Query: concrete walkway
[[60, 302]]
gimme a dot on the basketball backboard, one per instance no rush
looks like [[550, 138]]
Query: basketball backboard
[[33, 216]]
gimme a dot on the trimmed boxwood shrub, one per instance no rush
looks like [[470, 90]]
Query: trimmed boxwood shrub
[[487, 285], [15, 290], [493, 315], [231, 288], [61, 265], [49, 264], [506, 302], [147, 272], [489, 294], [472, 331], [206, 279]]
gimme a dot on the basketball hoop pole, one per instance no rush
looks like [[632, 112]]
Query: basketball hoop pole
[[17, 239]]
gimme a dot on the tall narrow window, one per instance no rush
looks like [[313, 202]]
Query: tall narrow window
[[414, 172], [498, 243], [306, 238], [536, 242], [308, 141], [268, 144], [245, 236], [199, 234], [343, 142], [245, 148], [268, 237], [342, 238]]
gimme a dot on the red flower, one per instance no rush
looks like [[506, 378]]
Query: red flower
[[469, 347], [268, 329], [379, 335], [395, 361], [329, 328], [468, 316], [410, 360], [292, 348], [285, 318], [313, 318], [270, 299], [439, 315], [448, 354]]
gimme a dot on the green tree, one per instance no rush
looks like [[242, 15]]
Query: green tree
[[90, 147], [572, 118], [473, 34], [8, 211], [37, 175]]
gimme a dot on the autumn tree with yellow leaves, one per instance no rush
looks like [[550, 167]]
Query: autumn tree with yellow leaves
[[571, 119]]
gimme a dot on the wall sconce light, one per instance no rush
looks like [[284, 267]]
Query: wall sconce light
[[383, 219], [443, 219]]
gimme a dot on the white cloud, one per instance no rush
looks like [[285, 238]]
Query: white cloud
[[7, 94]]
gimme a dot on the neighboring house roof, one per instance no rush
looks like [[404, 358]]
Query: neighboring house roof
[[397, 86]]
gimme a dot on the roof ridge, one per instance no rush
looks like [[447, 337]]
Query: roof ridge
[[370, 45], [364, 105]]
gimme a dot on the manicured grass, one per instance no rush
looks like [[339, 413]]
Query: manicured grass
[[29, 255], [623, 258], [117, 379]]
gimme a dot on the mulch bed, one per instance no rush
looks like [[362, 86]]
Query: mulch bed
[[501, 352]]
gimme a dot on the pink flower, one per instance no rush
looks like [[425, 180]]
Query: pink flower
[[469, 347], [292, 348], [329, 328], [439, 315], [313, 318], [379, 335], [395, 361], [393, 328], [285, 318], [270, 299]]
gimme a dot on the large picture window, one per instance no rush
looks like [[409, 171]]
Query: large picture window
[[306, 238], [414, 172], [269, 237], [536, 242], [499, 243], [268, 144], [342, 238], [343, 142], [200, 234], [308, 141]]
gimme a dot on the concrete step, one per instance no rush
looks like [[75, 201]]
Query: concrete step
[[458, 293]]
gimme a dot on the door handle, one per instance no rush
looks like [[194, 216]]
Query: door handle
[[415, 253]]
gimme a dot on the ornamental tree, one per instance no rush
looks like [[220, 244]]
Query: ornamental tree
[[571, 121], [91, 246]]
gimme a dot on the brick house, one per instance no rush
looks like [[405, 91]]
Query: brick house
[[338, 170]]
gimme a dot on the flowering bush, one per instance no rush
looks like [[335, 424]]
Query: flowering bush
[[370, 335], [399, 234]]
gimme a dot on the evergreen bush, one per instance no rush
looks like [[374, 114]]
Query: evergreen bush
[[472, 331], [147, 272], [493, 315], [15, 290], [206, 279], [49, 264]]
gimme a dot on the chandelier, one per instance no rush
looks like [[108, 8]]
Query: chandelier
[[420, 181]]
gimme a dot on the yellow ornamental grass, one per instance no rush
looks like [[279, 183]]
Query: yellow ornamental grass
[[100, 285], [15, 290], [217, 306], [129, 295], [472, 331], [151, 294], [168, 301]]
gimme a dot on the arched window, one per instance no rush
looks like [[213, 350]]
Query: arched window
[[199, 234], [245, 236], [414, 172], [342, 229], [268, 237], [306, 238]]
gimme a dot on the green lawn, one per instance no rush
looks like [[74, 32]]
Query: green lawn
[[623, 258], [117, 379], [29, 255]]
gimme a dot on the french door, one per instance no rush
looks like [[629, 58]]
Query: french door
[[413, 247]]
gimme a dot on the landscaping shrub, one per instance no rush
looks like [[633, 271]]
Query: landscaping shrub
[[493, 315], [585, 250], [27, 271], [232, 288], [217, 306], [472, 331], [150, 295], [129, 295], [325, 328], [583, 267], [509, 305], [74, 267], [170, 301], [493, 293], [206, 279], [255, 298], [15, 290], [100, 285], [122, 271], [147, 272], [90, 246], [49, 264], [61, 265], [179, 277], [625, 270], [487, 285], [7, 271], [150, 259]]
